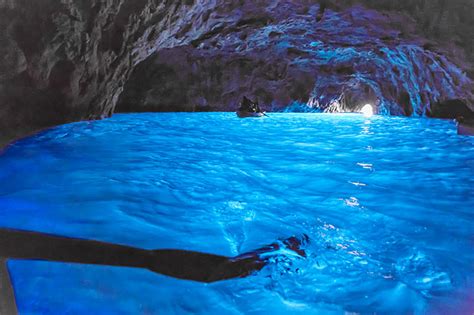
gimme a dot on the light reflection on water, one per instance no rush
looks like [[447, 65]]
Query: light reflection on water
[[386, 202]]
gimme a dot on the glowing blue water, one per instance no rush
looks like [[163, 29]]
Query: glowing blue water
[[387, 202]]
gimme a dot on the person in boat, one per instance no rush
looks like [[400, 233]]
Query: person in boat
[[249, 106], [257, 108], [182, 264], [465, 126]]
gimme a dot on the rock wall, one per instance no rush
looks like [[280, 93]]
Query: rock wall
[[283, 52], [69, 60]]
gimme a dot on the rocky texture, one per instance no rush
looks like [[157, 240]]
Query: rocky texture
[[68, 60], [295, 53]]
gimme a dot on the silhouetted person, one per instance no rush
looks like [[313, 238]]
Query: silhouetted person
[[257, 107], [249, 106]]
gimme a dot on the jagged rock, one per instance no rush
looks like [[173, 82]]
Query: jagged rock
[[68, 60], [335, 63]]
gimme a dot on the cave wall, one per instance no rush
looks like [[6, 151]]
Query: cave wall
[[69, 60], [337, 59]]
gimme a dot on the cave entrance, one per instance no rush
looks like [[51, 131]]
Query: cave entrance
[[356, 96]]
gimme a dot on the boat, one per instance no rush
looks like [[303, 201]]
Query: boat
[[243, 114], [465, 127]]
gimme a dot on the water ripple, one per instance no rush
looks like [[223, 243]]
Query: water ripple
[[387, 203]]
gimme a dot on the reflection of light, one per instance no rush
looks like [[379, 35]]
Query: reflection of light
[[367, 110], [358, 184], [366, 166], [352, 202]]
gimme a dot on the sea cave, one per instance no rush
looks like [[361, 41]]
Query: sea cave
[[236, 157]]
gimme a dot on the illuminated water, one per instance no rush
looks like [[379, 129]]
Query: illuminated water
[[387, 202]]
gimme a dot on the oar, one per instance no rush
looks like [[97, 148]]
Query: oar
[[182, 264]]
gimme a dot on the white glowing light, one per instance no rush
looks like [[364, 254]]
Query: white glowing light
[[367, 110]]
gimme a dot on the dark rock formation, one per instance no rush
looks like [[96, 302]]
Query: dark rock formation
[[68, 60], [188, 79], [451, 109], [299, 52]]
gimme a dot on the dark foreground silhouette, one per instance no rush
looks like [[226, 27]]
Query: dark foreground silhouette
[[180, 264]]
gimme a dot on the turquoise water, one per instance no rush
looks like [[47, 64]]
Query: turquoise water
[[387, 203]]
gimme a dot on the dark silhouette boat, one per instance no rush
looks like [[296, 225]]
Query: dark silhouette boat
[[249, 108], [243, 114], [465, 127]]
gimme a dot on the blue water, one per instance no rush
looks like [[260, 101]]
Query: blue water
[[388, 204]]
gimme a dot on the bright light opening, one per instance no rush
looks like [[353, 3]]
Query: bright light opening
[[367, 110]]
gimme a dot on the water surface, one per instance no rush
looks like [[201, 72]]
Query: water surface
[[387, 203]]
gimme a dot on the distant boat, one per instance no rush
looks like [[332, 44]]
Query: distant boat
[[465, 127], [243, 114]]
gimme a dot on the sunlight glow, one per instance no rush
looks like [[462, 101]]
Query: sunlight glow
[[367, 110]]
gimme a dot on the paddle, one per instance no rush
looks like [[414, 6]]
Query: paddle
[[183, 264]]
